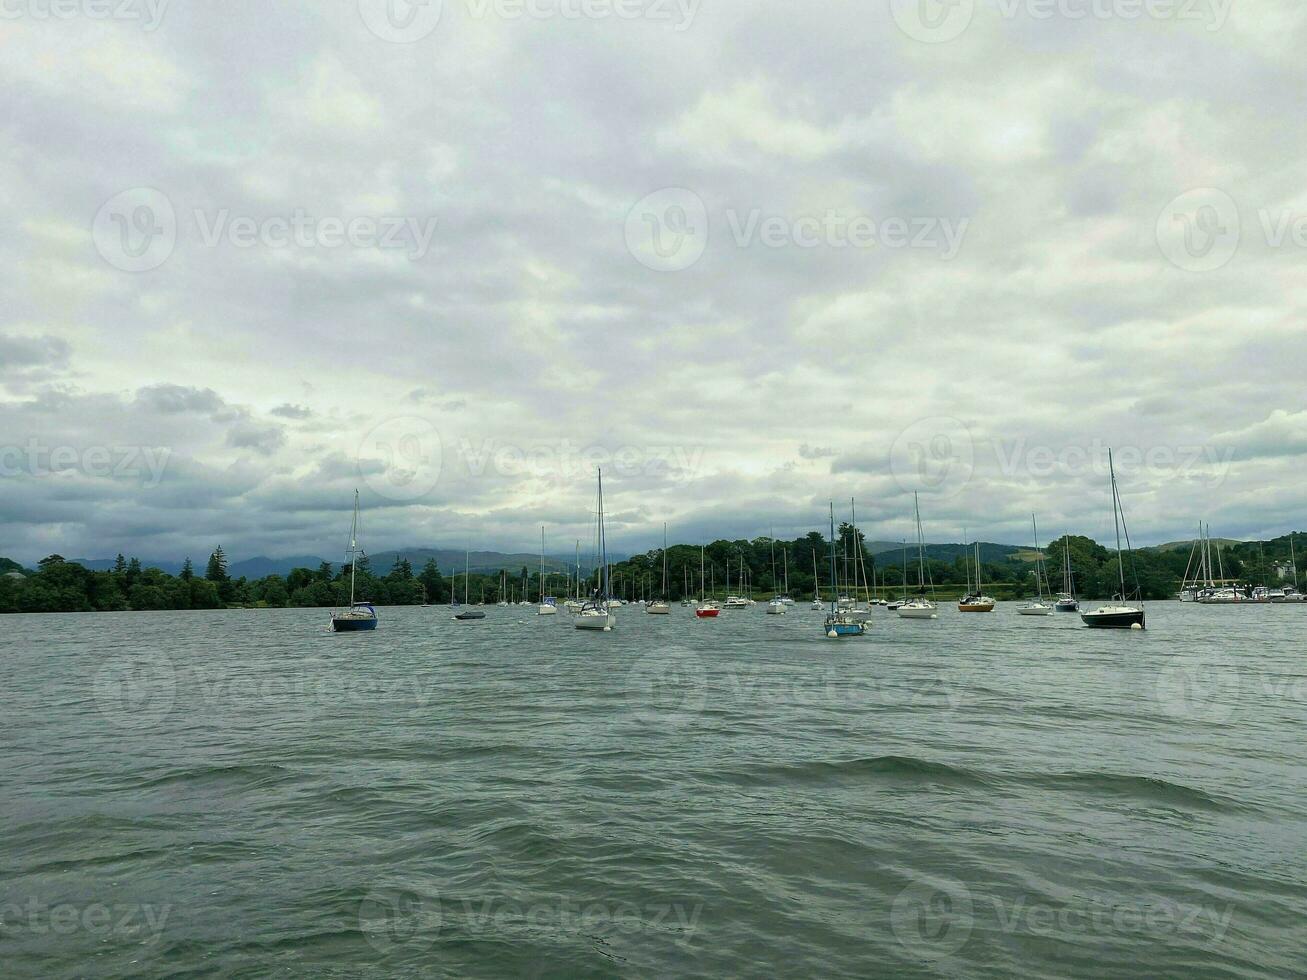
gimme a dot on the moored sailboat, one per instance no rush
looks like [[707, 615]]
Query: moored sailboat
[[1038, 607], [468, 614], [597, 614], [1120, 613], [919, 607], [660, 606], [839, 623], [360, 616]]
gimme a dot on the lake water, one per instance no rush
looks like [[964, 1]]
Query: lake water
[[242, 793]]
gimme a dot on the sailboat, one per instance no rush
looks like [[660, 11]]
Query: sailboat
[[1039, 607], [859, 568], [1066, 599], [817, 604], [359, 616], [1119, 614], [919, 607], [707, 609], [660, 606], [786, 598], [573, 603], [468, 614], [777, 605], [1290, 593], [898, 604], [839, 623], [548, 604], [975, 600], [596, 614]]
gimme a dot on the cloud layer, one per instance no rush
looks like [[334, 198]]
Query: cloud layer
[[750, 258]]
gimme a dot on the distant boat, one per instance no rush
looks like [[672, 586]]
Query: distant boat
[[468, 614], [975, 600], [1119, 614], [597, 614], [548, 604], [776, 607], [918, 607], [359, 616], [1039, 607], [707, 609], [1290, 593], [839, 624], [661, 607], [1066, 599]]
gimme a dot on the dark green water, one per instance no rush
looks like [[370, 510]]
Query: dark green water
[[241, 794]]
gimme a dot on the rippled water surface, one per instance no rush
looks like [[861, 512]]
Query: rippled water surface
[[242, 793]]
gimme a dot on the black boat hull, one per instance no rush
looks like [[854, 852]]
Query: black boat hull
[[353, 625], [1114, 620]]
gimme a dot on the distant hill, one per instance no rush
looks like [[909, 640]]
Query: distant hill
[[447, 559], [9, 565], [1186, 545], [948, 552], [105, 564]]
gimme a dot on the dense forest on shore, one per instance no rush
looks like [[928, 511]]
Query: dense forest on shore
[[57, 585]]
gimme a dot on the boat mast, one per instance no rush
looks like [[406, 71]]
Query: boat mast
[[1293, 561], [542, 565], [353, 548], [1116, 520], [664, 561], [921, 548], [603, 540], [834, 582], [1038, 558]]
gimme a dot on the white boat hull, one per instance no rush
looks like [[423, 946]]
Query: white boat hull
[[911, 611], [592, 620], [546, 610]]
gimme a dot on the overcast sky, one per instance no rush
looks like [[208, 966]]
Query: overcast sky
[[750, 256]]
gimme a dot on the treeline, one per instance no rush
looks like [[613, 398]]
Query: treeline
[[1094, 568], [58, 585], [63, 586]]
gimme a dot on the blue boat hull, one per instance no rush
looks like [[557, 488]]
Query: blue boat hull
[[353, 625]]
